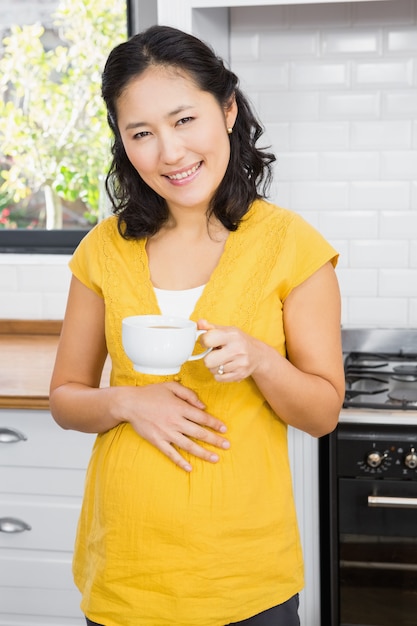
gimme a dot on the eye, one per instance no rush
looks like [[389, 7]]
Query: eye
[[141, 134], [184, 120]]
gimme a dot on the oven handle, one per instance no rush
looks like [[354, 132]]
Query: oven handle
[[387, 502], [372, 565]]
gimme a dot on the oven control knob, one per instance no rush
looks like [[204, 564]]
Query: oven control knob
[[411, 459], [375, 458]]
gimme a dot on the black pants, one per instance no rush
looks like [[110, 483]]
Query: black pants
[[285, 614]]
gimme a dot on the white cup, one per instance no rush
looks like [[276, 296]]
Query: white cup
[[160, 344]]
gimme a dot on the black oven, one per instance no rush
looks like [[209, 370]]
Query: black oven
[[368, 491]]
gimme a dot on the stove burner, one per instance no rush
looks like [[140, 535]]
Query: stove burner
[[405, 378], [410, 370], [404, 396]]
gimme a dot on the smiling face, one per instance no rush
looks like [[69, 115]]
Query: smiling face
[[175, 136]]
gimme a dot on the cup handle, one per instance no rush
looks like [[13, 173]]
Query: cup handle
[[195, 357]]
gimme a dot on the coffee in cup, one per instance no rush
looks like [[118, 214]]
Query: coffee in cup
[[160, 344]]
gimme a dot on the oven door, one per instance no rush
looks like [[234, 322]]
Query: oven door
[[378, 552]]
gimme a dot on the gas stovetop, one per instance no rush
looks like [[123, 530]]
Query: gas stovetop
[[380, 369], [381, 381]]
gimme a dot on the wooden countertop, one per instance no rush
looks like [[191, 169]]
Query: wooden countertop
[[27, 355]]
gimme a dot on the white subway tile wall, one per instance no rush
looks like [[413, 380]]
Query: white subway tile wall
[[336, 86], [33, 286]]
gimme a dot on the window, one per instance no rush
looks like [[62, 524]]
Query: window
[[54, 137]]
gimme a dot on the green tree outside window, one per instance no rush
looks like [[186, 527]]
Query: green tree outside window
[[54, 135]]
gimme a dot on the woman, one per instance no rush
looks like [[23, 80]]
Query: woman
[[188, 516]]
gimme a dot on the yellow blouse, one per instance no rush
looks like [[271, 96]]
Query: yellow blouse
[[157, 546]]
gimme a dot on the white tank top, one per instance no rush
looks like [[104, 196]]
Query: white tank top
[[178, 303]]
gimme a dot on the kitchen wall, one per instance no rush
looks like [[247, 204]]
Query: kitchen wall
[[336, 86]]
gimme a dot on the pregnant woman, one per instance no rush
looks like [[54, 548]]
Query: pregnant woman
[[188, 516]]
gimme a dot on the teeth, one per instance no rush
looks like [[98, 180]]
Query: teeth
[[184, 174]]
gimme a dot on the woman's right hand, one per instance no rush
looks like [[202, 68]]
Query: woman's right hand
[[172, 418]]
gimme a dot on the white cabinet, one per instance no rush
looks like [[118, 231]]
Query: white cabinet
[[182, 13], [42, 469], [303, 452]]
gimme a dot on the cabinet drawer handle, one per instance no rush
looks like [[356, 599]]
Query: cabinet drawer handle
[[13, 525], [398, 503], [9, 435]]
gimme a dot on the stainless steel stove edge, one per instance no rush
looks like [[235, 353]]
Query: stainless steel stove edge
[[380, 340], [378, 417]]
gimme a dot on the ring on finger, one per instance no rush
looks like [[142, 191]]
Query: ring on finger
[[220, 370]]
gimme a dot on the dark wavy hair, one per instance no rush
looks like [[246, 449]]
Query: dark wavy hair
[[141, 211]]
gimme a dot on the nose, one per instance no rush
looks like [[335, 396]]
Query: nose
[[171, 148]]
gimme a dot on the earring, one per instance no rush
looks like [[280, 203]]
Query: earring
[[229, 131]]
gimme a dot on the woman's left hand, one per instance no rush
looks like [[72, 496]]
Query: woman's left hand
[[235, 354]]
